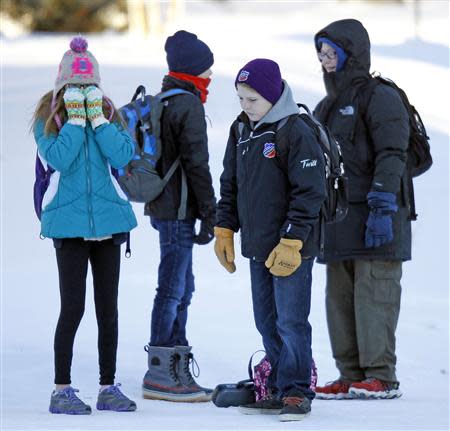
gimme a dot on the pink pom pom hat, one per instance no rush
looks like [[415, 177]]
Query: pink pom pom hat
[[78, 66]]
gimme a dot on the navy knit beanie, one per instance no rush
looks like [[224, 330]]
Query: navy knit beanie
[[188, 54], [264, 76]]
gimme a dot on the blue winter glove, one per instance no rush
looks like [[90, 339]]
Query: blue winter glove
[[379, 223]]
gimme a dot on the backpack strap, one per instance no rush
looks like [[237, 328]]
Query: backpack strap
[[182, 209], [172, 92], [250, 363], [364, 97]]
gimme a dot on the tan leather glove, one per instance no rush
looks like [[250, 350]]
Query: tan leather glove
[[285, 258], [224, 248]]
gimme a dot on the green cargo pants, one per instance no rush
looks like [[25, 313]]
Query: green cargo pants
[[363, 305]]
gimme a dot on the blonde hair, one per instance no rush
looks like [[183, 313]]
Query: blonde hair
[[44, 112]]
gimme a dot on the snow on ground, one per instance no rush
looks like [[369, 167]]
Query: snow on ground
[[221, 324]]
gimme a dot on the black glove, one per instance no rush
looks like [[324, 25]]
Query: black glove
[[206, 233]]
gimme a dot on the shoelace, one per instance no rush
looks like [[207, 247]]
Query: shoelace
[[174, 367], [292, 401], [191, 361], [70, 393], [185, 366], [116, 391], [337, 382]]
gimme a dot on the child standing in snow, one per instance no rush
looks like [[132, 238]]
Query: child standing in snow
[[276, 207], [188, 196], [78, 133]]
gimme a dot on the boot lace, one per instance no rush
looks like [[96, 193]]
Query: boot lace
[[174, 367], [185, 365]]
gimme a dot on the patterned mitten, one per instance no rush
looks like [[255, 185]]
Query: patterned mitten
[[74, 101], [94, 104]]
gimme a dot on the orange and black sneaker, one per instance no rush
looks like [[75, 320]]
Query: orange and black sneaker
[[375, 389], [336, 390], [295, 407]]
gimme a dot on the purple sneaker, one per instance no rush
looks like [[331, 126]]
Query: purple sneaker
[[113, 399], [66, 402]]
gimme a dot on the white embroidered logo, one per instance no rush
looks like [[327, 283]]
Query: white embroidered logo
[[308, 163], [348, 110]]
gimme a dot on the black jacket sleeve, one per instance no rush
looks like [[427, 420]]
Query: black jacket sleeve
[[306, 173], [388, 124], [194, 155], [227, 212]]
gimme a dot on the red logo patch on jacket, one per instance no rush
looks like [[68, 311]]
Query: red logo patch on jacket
[[269, 150]]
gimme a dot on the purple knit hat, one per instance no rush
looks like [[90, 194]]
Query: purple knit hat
[[263, 76]]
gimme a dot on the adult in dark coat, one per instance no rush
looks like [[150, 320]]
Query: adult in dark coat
[[364, 252]]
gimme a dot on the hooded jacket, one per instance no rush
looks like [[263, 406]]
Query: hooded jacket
[[373, 144], [260, 198]]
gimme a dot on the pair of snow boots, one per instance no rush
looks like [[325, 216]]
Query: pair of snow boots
[[169, 376]]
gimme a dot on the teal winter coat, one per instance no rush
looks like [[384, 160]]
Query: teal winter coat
[[83, 198]]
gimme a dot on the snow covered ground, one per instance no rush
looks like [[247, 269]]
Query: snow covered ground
[[221, 324]]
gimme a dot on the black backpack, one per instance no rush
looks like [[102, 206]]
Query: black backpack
[[335, 206], [140, 179], [419, 158]]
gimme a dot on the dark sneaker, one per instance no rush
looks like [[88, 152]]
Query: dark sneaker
[[375, 389], [66, 402], [295, 407], [337, 390], [268, 406], [112, 398]]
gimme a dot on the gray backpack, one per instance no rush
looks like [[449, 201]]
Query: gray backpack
[[139, 179]]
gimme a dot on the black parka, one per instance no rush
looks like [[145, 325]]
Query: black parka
[[183, 131], [264, 199], [373, 144]]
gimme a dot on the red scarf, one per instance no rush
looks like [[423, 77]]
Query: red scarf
[[201, 84]]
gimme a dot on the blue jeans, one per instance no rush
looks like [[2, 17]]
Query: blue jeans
[[281, 308], [175, 282]]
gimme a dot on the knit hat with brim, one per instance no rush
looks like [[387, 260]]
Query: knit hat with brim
[[78, 66]]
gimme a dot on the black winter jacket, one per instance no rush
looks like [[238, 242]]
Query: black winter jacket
[[373, 144], [183, 131], [258, 196]]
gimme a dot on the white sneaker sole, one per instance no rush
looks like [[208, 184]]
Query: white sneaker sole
[[250, 411], [293, 417], [364, 394]]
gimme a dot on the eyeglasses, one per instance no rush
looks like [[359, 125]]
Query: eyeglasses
[[331, 55]]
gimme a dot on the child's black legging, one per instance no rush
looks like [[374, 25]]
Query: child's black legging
[[73, 257]]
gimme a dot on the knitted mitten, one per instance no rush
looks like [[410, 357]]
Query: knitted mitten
[[74, 101], [94, 104]]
